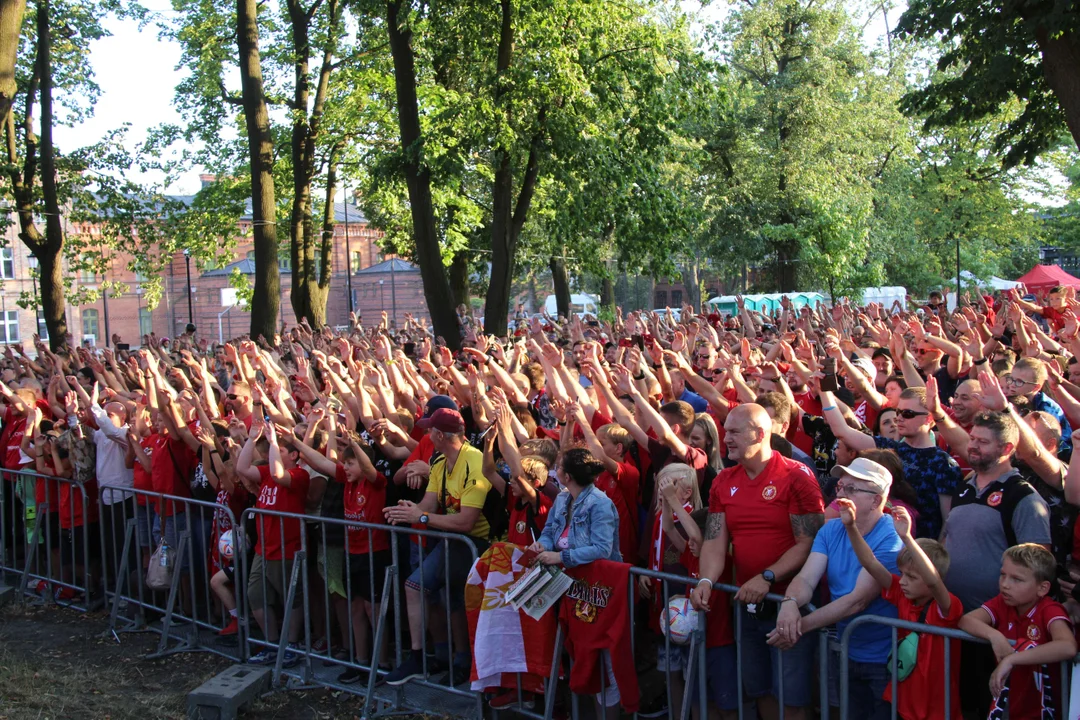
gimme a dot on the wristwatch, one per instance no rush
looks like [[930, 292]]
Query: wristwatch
[[423, 518], [769, 575]]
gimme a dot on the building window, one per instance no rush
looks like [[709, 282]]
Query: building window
[[661, 299], [140, 276], [285, 263], [356, 262], [146, 321], [90, 322], [7, 263], [676, 298], [10, 326], [87, 276]]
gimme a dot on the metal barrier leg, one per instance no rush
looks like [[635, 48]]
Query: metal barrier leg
[[290, 596], [129, 532], [31, 552], [174, 587], [823, 672], [553, 681], [378, 640]]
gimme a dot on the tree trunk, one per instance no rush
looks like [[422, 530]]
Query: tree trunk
[[1061, 65], [692, 283], [534, 301], [562, 285], [11, 18], [418, 179], [308, 291], [49, 252], [319, 290], [459, 280], [267, 296], [607, 294]]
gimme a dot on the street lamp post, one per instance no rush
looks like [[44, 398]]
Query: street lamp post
[[382, 296], [187, 264], [348, 249], [393, 295]]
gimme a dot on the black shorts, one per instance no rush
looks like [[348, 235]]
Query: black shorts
[[361, 583], [73, 541]]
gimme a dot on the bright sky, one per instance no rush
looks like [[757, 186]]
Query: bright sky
[[137, 73]]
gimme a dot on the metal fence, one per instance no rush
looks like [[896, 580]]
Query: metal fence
[[49, 540], [345, 614]]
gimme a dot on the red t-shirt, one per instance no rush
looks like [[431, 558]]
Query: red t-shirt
[[1055, 317], [423, 451], [660, 456], [15, 429], [759, 511], [364, 502], [618, 488], [48, 491], [279, 498], [172, 465], [809, 403], [143, 480], [865, 414], [72, 512], [718, 631], [520, 533], [921, 693], [1030, 630]]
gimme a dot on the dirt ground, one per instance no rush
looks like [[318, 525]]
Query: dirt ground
[[55, 663]]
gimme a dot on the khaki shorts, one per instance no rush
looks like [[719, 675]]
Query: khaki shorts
[[268, 583]]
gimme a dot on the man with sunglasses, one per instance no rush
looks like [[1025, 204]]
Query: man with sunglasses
[[239, 402], [927, 468]]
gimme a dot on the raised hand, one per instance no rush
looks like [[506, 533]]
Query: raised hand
[[847, 511], [901, 521], [991, 397]]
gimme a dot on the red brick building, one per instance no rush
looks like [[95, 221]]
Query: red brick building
[[127, 314]]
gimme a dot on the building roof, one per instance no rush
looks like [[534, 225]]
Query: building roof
[[392, 265], [246, 267], [356, 215]]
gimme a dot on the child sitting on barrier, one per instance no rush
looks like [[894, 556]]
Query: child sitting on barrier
[[920, 596], [231, 494], [369, 549], [1025, 681]]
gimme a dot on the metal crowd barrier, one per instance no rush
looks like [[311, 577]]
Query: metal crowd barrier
[[97, 547], [132, 527], [946, 671], [50, 549], [316, 566]]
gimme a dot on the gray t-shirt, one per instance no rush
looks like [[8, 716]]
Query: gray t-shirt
[[975, 536]]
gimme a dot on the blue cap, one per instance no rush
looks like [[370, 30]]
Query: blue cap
[[438, 402]]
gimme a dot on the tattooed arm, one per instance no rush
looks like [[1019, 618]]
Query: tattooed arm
[[713, 558], [804, 528]]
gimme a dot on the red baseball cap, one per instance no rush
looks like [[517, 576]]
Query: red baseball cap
[[444, 419]]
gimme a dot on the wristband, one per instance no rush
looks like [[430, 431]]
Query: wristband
[[787, 598], [704, 580], [73, 420], [980, 362], [639, 376], [831, 407]]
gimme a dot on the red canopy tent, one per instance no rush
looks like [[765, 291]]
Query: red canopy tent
[[1044, 277]]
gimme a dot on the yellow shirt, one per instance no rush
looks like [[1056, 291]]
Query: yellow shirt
[[466, 486]]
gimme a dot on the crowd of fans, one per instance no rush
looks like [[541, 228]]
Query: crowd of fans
[[900, 462]]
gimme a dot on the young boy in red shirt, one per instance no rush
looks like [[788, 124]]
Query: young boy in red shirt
[[1023, 612], [281, 486], [620, 478], [527, 504], [920, 596]]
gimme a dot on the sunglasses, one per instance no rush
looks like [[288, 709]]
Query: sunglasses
[[232, 396], [922, 351], [911, 414]]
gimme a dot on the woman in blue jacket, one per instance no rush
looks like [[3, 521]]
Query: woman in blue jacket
[[582, 525]]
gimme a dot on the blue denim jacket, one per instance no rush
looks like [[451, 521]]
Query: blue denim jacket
[[593, 528]]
